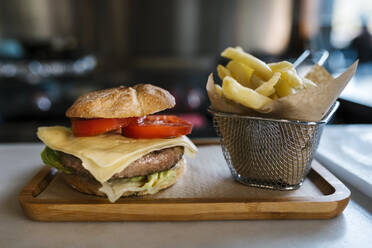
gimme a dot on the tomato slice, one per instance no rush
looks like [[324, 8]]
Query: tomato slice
[[90, 127], [157, 126]]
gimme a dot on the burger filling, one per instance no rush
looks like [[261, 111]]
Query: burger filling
[[151, 183], [155, 161], [148, 173], [116, 163]]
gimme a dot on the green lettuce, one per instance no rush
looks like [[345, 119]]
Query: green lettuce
[[53, 158], [158, 179], [136, 179], [152, 183]]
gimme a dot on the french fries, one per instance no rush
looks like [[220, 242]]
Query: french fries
[[256, 81], [267, 88], [236, 92], [292, 79], [262, 69], [283, 89], [223, 72], [281, 66], [253, 83], [241, 72]]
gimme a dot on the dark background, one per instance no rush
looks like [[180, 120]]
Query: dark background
[[53, 51]]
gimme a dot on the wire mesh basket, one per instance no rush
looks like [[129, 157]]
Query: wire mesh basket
[[268, 153]]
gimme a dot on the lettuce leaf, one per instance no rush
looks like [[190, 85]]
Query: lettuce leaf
[[136, 179], [53, 158], [158, 179], [151, 183]]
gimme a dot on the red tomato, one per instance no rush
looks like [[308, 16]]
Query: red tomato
[[91, 127], [157, 126]]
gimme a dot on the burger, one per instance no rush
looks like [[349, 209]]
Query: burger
[[116, 147]]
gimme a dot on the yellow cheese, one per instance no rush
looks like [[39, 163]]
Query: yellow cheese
[[106, 154], [115, 190]]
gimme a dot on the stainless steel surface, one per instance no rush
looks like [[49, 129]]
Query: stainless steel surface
[[269, 153]]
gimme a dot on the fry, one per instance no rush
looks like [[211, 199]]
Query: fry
[[222, 72], [281, 66], [236, 92], [262, 69], [241, 72], [267, 88], [256, 81], [274, 96], [292, 79], [283, 89]]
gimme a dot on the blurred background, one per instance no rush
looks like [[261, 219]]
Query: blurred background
[[53, 51]]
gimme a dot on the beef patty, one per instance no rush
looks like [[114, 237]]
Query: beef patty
[[150, 163]]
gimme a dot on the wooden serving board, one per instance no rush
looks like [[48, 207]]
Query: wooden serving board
[[206, 192]]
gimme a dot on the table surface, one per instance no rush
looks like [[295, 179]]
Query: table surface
[[19, 162], [347, 152]]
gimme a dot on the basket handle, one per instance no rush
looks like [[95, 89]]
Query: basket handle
[[318, 57]]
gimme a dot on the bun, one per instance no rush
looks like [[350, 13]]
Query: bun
[[91, 186], [122, 102]]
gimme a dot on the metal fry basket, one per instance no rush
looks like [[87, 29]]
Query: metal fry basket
[[269, 153]]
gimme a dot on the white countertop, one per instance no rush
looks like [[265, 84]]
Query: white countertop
[[19, 162], [346, 150]]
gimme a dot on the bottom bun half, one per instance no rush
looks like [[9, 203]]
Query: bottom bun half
[[90, 186]]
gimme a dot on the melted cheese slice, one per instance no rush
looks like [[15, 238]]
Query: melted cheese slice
[[107, 154]]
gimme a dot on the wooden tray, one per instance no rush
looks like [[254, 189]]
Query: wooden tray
[[206, 192]]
